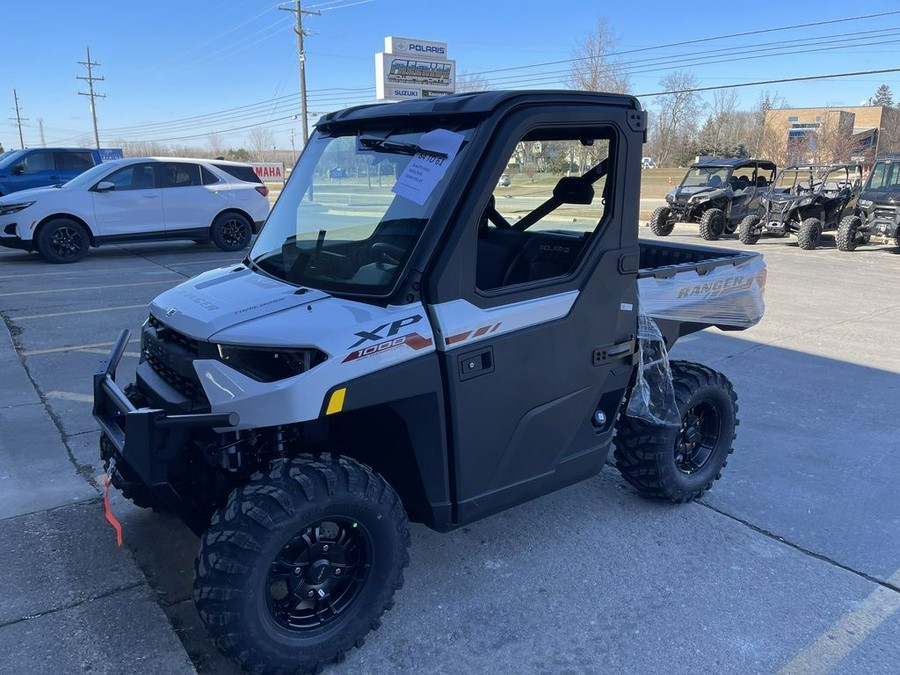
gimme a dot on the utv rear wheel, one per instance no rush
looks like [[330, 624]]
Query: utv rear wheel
[[661, 223], [712, 224], [301, 564], [63, 241], [848, 236], [749, 231], [231, 231], [679, 464], [810, 234]]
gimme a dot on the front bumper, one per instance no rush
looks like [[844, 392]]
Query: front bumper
[[10, 239], [142, 437]]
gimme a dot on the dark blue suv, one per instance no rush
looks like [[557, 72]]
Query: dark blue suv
[[42, 167]]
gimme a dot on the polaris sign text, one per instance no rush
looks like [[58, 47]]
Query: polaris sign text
[[411, 69]]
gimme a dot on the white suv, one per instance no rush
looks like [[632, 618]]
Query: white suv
[[145, 199]]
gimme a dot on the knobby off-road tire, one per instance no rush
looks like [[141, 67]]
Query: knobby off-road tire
[[231, 231], [712, 224], [679, 464], [749, 231], [300, 564], [810, 234], [848, 237], [63, 240], [660, 221]]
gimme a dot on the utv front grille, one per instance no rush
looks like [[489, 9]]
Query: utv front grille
[[171, 355], [885, 213]]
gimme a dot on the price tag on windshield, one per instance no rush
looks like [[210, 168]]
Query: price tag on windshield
[[427, 167]]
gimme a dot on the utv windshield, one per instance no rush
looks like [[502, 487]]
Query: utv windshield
[[885, 177], [355, 207], [707, 176]]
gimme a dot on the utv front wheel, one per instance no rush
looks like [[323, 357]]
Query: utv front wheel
[[661, 223], [301, 564], [712, 224], [749, 230], [680, 463], [810, 234], [848, 236]]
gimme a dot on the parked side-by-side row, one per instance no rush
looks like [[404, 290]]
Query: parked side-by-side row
[[751, 198]]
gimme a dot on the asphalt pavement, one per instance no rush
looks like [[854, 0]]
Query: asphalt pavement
[[790, 564]]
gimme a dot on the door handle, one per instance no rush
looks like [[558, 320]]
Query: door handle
[[474, 364]]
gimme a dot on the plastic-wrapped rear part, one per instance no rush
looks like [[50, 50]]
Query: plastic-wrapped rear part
[[728, 295], [652, 397]]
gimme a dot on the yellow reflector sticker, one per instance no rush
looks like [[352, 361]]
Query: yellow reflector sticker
[[336, 404]]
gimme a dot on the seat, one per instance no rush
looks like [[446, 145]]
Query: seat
[[543, 257], [715, 181]]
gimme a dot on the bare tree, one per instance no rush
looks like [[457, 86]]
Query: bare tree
[[834, 138], [768, 140], [262, 140], [216, 144], [468, 82], [596, 67], [676, 117]]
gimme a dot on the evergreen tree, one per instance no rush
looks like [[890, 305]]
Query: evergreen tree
[[883, 96]]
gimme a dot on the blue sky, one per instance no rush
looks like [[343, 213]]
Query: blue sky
[[235, 63]]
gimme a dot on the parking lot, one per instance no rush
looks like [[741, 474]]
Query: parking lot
[[791, 563]]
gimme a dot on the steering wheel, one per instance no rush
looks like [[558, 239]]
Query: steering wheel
[[389, 252]]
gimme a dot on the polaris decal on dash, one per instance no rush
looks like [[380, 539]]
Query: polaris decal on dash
[[414, 340], [716, 288]]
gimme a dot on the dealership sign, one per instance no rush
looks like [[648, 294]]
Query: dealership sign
[[412, 69], [269, 172]]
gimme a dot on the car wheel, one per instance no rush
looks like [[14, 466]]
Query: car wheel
[[810, 234], [231, 231], [661, 221], [712, 224], [63, 241]]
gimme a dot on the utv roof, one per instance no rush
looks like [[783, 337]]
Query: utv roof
[[735, 163], [820, 167], [480, 102]]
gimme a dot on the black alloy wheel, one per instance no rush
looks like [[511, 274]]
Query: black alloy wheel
[[231, 231], [63, 241], [698, 437], [318, 574]]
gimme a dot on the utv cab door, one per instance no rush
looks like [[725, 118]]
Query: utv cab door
[[534, 305]]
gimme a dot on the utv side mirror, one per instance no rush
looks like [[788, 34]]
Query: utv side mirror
[[105, 186]]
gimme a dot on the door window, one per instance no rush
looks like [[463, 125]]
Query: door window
[[209, 178], [74, 161], [537, 224], [36, 162], [181, 174], [134, 177]]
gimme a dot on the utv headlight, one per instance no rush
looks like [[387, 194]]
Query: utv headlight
[[266, 364], [865, 203], [670, 198], [9, 209]]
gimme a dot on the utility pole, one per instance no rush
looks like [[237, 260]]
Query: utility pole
[[90, 79], [19, 120], [41, 127], [301, 57]]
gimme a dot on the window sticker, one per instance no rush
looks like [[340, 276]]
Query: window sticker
[[437, 150]]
